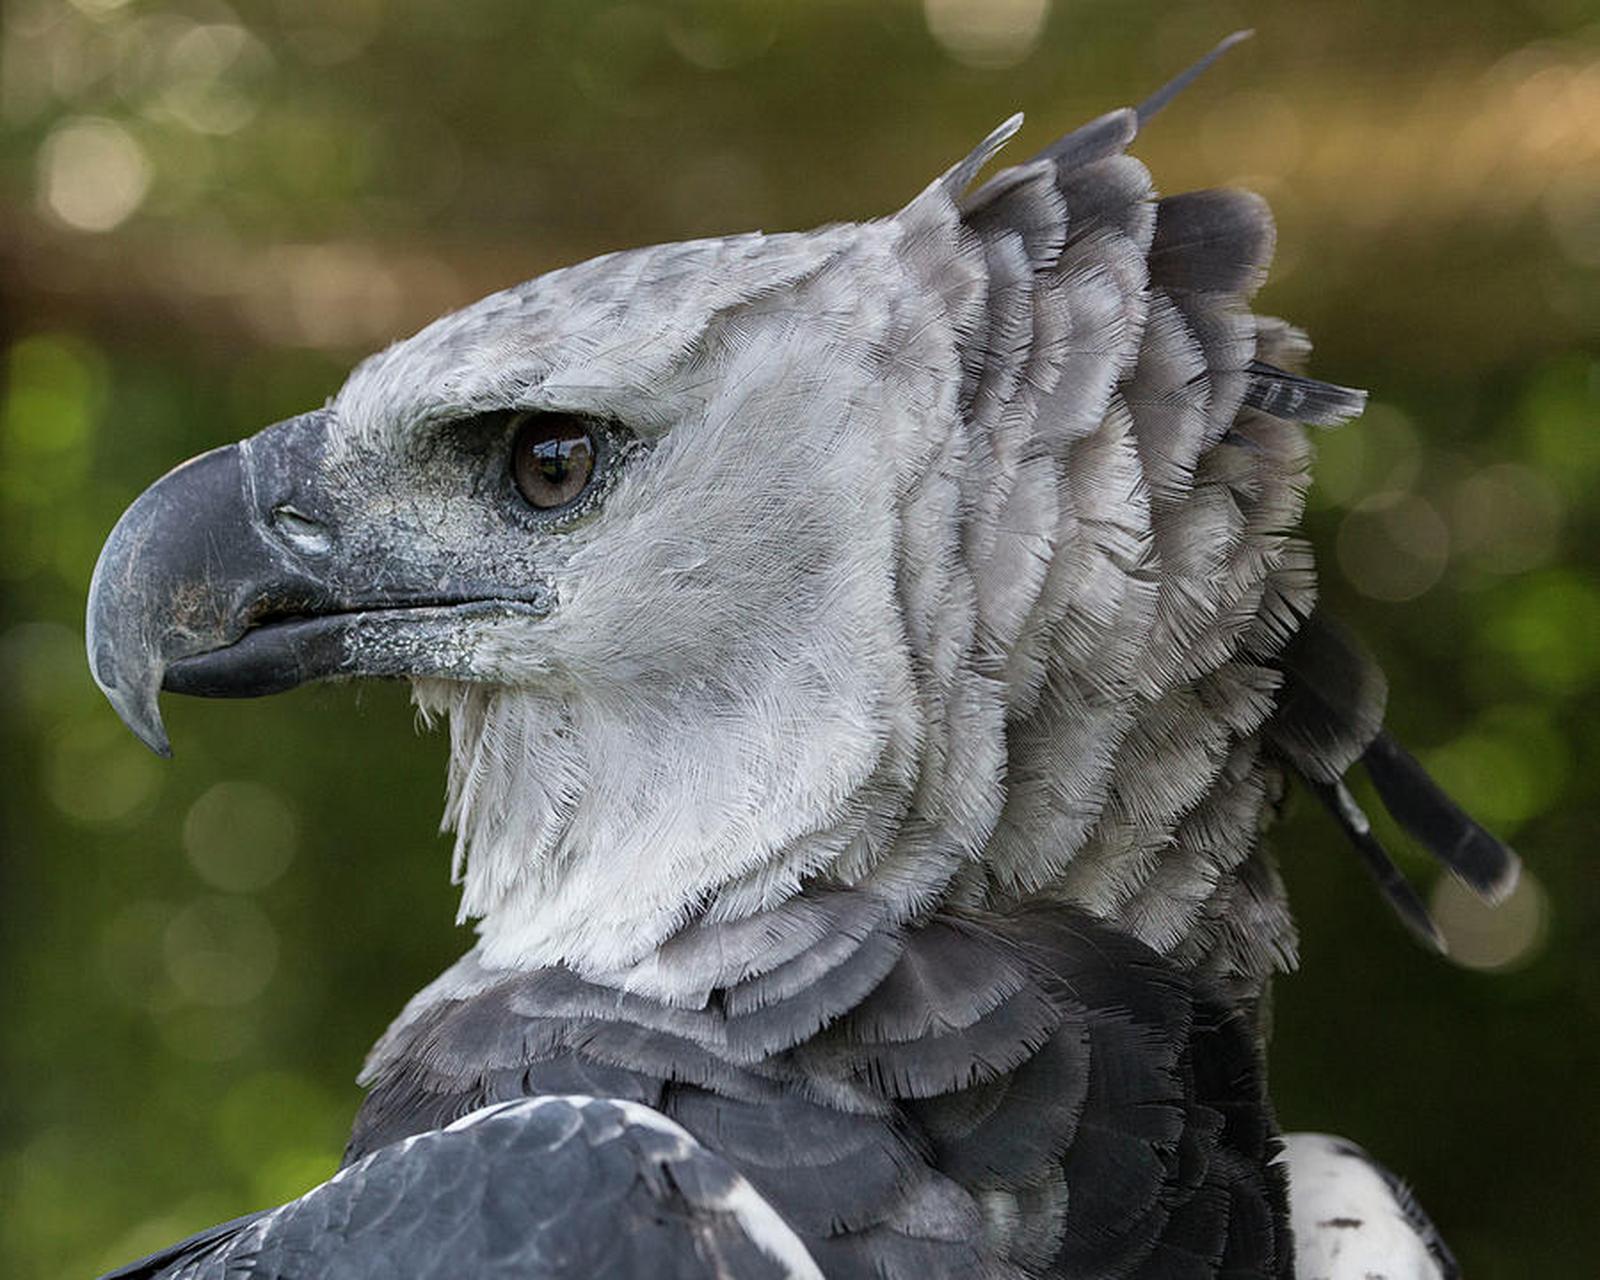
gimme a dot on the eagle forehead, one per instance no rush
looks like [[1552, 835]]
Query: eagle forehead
[[574, 337]]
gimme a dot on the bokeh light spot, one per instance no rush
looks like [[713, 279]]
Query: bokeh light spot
[[1505, 518], [1559, 411], [239, 836], [1509, 768], [990, 34], [1549, 626], [92, 174], [1381, 451], [56, 385], [221, 951], [1479, 936], [325, 295], [1393, 546], [207, 70]]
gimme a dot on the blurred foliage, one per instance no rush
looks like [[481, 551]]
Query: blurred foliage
[[207, 210]]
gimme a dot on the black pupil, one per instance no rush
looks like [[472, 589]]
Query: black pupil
[[553, 459]]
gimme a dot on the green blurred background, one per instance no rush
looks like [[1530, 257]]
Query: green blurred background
[[209, 209]]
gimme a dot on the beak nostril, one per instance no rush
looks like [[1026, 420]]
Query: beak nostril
[[301, 531]]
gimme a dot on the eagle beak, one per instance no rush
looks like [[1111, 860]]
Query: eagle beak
[[232, 577], [188, 570]]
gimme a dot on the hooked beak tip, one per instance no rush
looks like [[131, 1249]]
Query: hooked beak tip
[[154, 737], [138, 709], [147, 727]]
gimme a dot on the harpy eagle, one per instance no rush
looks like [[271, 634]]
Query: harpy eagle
[[871, 657]]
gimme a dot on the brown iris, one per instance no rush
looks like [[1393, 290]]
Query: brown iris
[[552, 459]]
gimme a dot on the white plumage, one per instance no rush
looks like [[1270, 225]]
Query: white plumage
[[1353, 1220]]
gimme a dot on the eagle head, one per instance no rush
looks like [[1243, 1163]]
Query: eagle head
[[939, 555]]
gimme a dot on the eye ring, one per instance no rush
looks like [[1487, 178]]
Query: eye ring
[[552, 459]]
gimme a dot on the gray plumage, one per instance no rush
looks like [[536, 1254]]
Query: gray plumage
[[997, 1058], [865, 770], [544, 1188]]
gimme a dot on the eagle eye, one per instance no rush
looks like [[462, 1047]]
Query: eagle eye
[[552, 459]]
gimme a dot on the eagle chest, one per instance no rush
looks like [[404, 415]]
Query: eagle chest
[[1026, 1094]]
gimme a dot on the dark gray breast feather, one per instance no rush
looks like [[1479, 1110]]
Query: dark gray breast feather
[[1026, 1094]]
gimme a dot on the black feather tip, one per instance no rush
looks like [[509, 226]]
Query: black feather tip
[[1173, 87], [1297, 398], [1429, 816], [1393, 884]]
